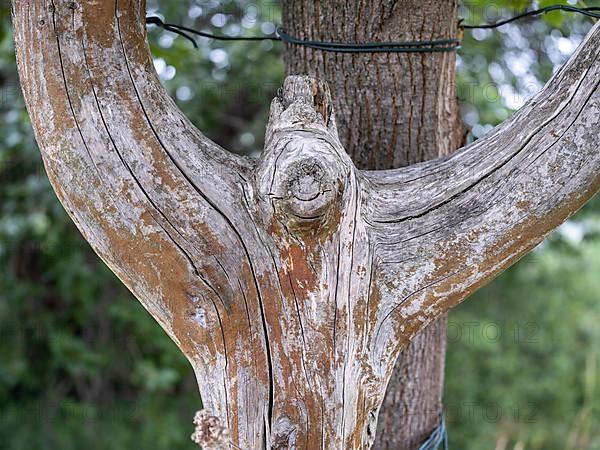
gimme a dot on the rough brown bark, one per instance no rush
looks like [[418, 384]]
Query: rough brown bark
[[392, 110]]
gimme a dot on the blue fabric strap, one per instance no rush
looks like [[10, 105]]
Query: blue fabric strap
[[438, 437]]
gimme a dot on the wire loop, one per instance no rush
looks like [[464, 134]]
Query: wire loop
[[442, 45], [434, 46]]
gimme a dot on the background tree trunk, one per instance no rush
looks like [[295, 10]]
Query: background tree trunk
[[393, 110]]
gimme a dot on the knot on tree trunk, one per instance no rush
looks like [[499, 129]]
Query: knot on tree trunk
[[304, 170]]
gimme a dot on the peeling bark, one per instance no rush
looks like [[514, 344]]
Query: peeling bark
[[290, 283]]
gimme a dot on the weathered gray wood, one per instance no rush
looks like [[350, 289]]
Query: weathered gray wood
[[457, 222], [280, 279], [158, 202]]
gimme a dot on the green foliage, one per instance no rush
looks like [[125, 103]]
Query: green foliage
[[523, 354], [82, 365]]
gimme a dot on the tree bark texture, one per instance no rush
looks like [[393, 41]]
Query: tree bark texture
[[393, 110], [292, 282]]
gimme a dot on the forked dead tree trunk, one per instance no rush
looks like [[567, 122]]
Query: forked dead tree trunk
[[290, 283]]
